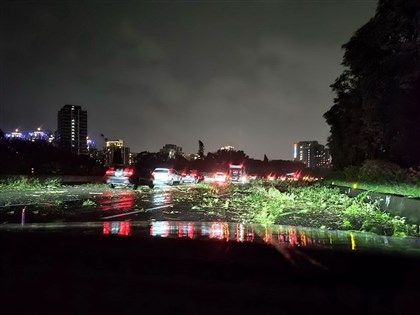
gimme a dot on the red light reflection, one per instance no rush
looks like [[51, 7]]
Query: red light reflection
[[119, 228], [124, 200], [190, 230], [124, 228]]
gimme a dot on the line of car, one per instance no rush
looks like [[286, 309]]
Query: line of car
[[133, 176], [119, 175]]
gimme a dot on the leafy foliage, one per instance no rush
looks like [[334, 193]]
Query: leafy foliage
[[375, 113], [24, 182], [307, 205], [379, 176]]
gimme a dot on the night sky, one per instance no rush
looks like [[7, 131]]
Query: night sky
[[254, 75]]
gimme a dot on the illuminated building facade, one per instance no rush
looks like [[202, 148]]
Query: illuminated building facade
[[37, 135], [312, 154], [72, 129], [227, 148], [16, 134]]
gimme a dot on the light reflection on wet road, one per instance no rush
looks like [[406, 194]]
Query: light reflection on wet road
[[174, 212], [160, 203], [275, 235]]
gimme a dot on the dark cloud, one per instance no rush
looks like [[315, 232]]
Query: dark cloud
[[255, 75]]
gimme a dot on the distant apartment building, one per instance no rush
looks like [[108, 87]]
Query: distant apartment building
[[16, 134], [227, 148], [113, 147], [40, 135], [37, 135], [171, 150], [72, 129], [312, 154], [34, 136]]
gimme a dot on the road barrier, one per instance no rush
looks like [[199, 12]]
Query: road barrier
[[393, 204]]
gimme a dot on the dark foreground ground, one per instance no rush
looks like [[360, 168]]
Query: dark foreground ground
[[65, 273], [158, 252]]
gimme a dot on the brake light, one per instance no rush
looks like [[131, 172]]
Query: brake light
[[128, 172], [109, 171]]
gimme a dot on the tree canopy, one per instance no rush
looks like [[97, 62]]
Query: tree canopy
[[376, 111]]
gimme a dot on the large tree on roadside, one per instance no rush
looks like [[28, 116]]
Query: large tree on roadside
[[201, 149], [376, 111]]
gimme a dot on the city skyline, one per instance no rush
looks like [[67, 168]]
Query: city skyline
[[252, 75], [27, 135]]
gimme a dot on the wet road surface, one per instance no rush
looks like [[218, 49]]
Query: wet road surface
[[167, 211], [100, 203]]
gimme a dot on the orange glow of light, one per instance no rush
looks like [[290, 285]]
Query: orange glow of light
[[226, 231], [302, 238]]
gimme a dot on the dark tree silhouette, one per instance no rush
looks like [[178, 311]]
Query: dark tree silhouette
[[376, 111], [201, 149], [265, 159]]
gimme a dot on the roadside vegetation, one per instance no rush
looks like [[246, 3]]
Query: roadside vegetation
[[311, 205], [25, 183], [379, 176]]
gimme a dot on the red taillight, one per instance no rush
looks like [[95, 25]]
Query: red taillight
[[109, 171], [128, 172]]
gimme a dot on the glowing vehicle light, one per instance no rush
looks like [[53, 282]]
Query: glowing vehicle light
[[220, 177], [109, 171], [128, 172]]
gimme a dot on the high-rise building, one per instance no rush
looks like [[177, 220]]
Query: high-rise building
[[312, 154], [72, 129]]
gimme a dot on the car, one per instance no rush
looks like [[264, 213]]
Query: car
[[192, 177], [208, 177], [220, 177], [166, 176], [120, 175]]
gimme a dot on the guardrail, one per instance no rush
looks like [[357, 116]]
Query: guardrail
[[393, 204]]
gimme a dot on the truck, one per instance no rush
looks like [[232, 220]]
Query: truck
[[237, 173]]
